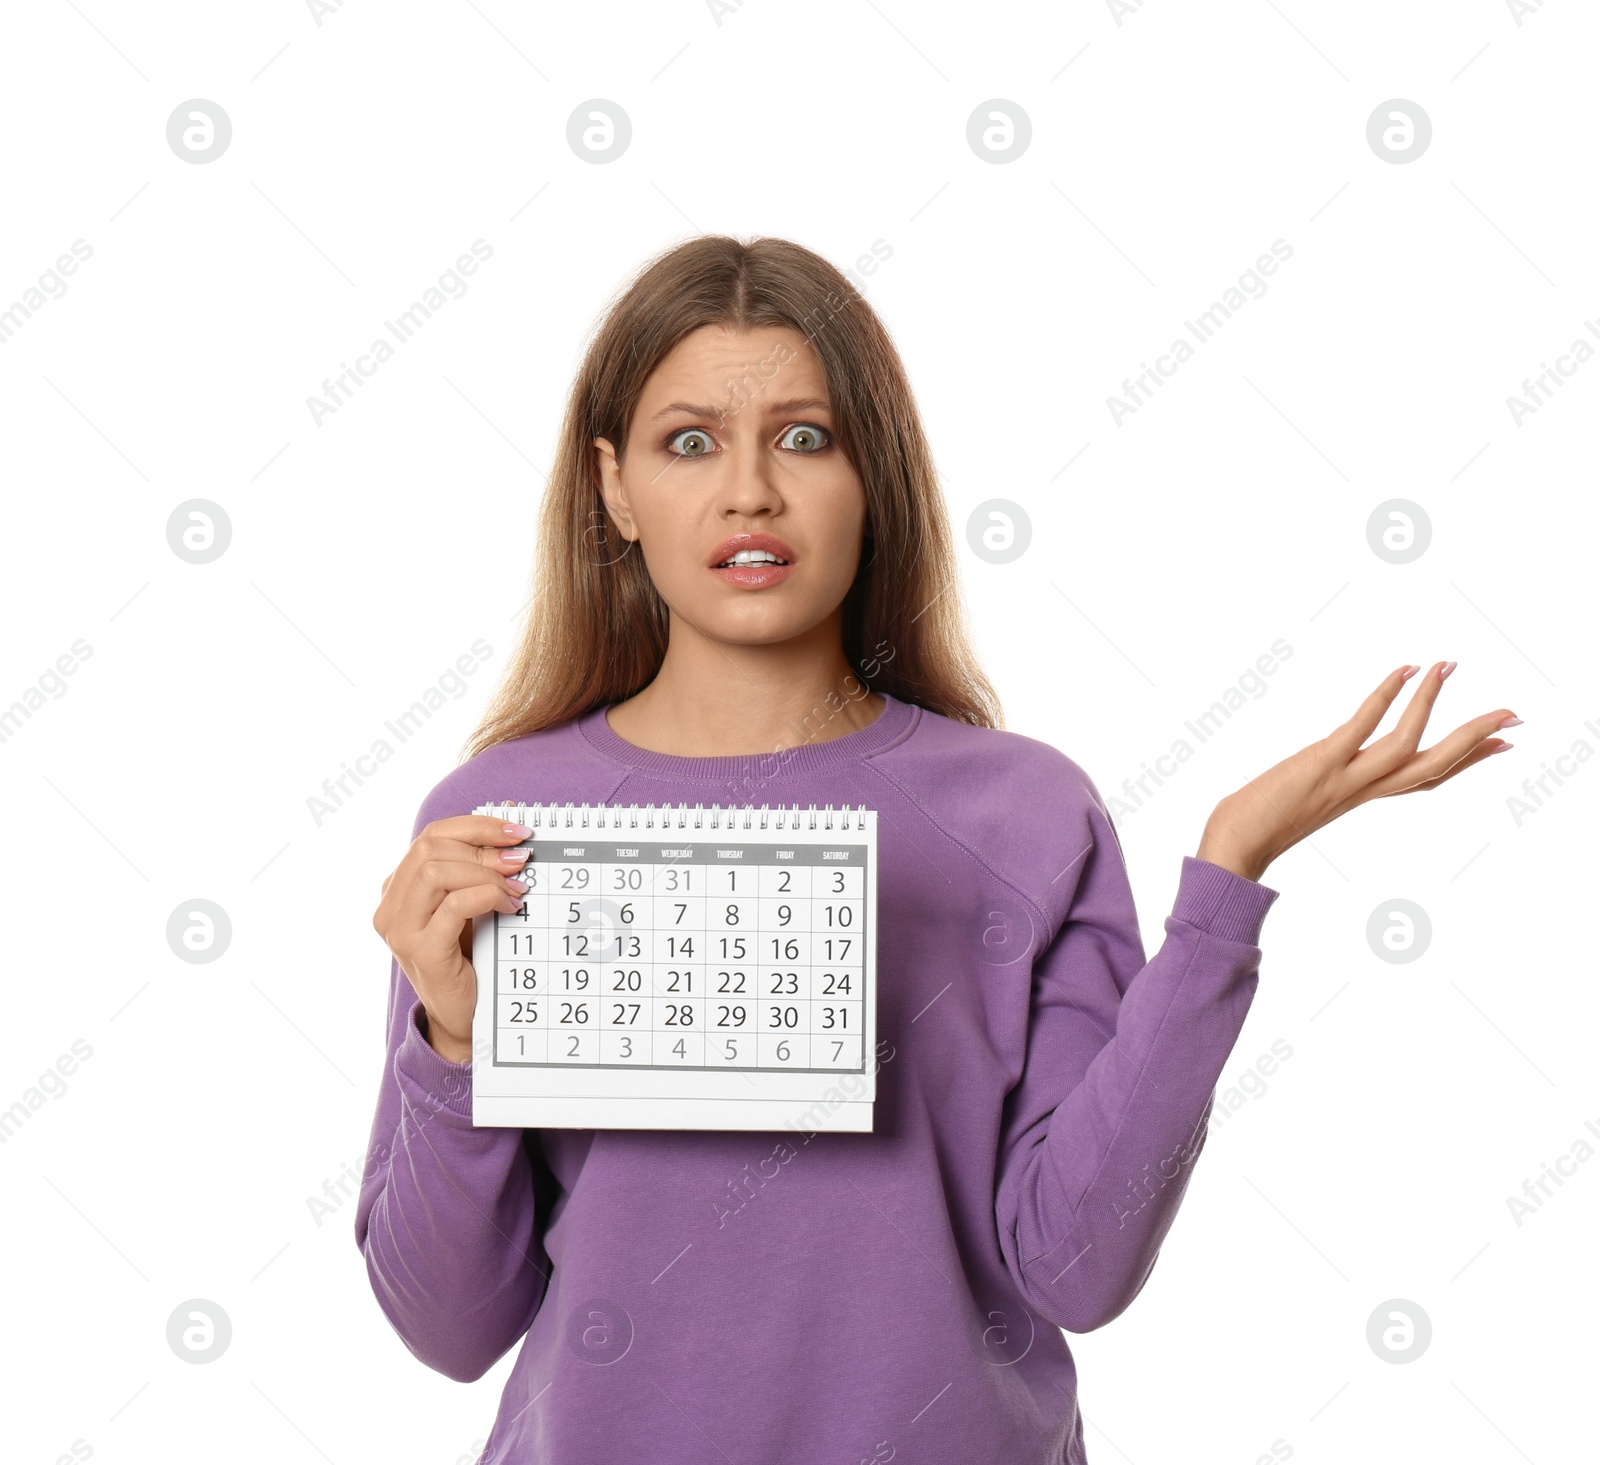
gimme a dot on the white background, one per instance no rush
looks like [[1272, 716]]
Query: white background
[[369, 552]]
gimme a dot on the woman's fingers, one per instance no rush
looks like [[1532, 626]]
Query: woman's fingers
[[1396, 750], [470, 838], [431, 885], [476, 837], [1256, 824], [1450, 755], [477, 830], [1349, 736], [1397, 745], [1401, 743], [437, 863], [1477, 755], [437, 948], [453, 871]]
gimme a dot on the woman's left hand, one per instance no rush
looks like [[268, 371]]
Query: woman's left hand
[[1251, 828]]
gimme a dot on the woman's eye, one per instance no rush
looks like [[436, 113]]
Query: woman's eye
[[805, 437], [692, 442]]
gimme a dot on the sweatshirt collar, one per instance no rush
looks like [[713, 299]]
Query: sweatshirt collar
[[893, 723]]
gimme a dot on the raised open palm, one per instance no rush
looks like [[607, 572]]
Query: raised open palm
[[1251, 828]]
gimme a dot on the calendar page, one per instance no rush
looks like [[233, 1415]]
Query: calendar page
[[677, 968]]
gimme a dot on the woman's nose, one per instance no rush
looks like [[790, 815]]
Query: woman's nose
[[749, 479]]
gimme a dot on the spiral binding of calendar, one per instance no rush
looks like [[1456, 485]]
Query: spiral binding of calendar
[[722, 816]]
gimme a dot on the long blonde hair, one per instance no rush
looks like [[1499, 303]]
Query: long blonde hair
[[596, 629]]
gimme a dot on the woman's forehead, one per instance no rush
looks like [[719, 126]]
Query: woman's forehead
[[713, 368]]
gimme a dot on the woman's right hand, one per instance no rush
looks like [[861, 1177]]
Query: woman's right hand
[[455, 869]]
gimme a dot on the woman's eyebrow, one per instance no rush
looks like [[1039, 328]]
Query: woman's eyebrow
[[797, 404]]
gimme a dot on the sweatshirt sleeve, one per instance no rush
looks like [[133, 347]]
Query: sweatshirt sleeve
[[1102, 1129], [447, 1218]]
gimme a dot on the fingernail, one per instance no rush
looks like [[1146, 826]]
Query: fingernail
[[1448, 667], [1410, 671], [520, 830], [517, 886], [1502, 748], [514, 856], [1510, 722]]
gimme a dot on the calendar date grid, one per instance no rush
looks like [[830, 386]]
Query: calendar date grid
[[708, 956]]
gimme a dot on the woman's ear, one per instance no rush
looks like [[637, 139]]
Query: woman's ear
[[612, 492]]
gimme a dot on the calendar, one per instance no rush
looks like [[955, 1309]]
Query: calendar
[[678, 968]]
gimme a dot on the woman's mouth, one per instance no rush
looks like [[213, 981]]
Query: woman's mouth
[[752, 561]]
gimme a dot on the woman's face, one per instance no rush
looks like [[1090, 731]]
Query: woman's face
[[732, 449]]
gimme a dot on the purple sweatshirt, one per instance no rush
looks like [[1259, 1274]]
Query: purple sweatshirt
[[826, 1299]]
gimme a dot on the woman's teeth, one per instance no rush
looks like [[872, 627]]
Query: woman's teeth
[[752, 557]]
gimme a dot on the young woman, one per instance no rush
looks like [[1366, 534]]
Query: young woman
[[746, 596]]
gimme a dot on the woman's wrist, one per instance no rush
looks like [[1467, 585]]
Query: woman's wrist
[[452, 1049], [1217, 849]]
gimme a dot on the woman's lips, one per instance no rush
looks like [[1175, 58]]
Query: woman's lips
[[752, 576]]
